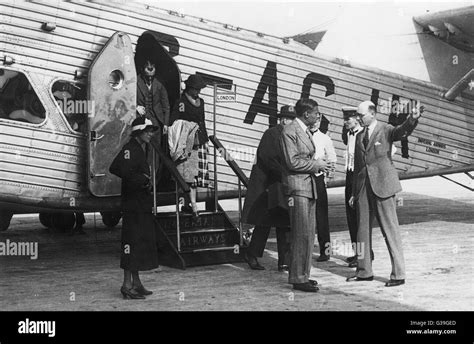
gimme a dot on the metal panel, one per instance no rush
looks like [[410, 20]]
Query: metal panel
[[242, 56], [113, 91]]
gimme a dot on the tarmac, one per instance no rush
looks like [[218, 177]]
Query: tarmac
[[81, 272]]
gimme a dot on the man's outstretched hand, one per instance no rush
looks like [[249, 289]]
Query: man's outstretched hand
[[418, 111]]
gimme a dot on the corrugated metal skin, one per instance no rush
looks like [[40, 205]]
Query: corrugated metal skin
[[83, 28]]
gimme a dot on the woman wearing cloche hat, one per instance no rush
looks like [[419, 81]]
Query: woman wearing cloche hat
[[139, 251]]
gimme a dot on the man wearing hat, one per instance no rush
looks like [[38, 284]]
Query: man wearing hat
[[139, 252], [153, 103], [350, 130], [265, 204], [375, 185], [190, 107]]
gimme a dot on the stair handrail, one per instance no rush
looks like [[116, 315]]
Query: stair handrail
[[241, 177], [230, 161], [179, 182], [171, 167]]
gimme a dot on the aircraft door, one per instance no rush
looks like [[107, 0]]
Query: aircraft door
[[159, 49], [151, 46], [112, 93]]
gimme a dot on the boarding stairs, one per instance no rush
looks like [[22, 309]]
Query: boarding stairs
[[212, 238]]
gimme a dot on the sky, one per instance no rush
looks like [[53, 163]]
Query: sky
[[286, 18]]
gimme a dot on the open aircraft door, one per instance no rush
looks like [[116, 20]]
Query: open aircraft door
[[112, 91]]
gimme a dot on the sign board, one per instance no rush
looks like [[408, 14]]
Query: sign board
[[224, 95]]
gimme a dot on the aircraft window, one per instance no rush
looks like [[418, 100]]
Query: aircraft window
[[116, 78], [72, 100], [18, 99]]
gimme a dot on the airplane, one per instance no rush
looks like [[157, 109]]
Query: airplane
[[68, 96]]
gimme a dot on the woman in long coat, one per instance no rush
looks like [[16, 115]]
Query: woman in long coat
[[190, 107], [139, 251]]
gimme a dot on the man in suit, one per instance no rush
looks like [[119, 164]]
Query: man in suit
[[300, 184], [350, 130], [153, 103], [374, 188], [324, 149], [265, 205]]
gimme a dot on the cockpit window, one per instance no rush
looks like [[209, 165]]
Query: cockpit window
[[18, 99], [72, 100]]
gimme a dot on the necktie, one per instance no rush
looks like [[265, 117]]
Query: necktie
[[365, 141], [310, 136], [351, 132]]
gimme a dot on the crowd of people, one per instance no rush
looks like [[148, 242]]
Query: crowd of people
[[287, 186], [287, 190]]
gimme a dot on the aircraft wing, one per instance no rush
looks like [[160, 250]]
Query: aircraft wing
[[455, 27]]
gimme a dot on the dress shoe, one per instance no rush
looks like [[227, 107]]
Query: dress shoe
[[313, 282], [131, 294], [186, 209], [395, 282], [351, 259], [323, 258], [253, 262], [353, 264], [307, 287], [142, 291], [359, 279], [283, 267]]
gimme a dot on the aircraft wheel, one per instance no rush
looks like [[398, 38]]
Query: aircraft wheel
[[111, 219], [63, 222], [46, 219], [5, 218]]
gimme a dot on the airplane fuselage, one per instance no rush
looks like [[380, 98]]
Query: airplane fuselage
[[46, 165]]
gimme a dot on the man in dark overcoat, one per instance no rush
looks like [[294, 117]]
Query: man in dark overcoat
[[265, 205]]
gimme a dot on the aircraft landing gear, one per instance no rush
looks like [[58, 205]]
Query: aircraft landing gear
[[111, 219], [5, 218], [62, 222], [45, 219]]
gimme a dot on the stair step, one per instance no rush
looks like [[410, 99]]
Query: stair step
[[187, 222], [204, 230], [218, 255], [212, 238], [182, 214], [220, 248], [206, 238]]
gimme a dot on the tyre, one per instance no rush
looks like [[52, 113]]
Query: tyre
[[5, 218], [111, 219], [63, 222], [45, 219]]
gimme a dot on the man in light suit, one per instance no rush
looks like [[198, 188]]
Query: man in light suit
[[374, 187], [300, 185]]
